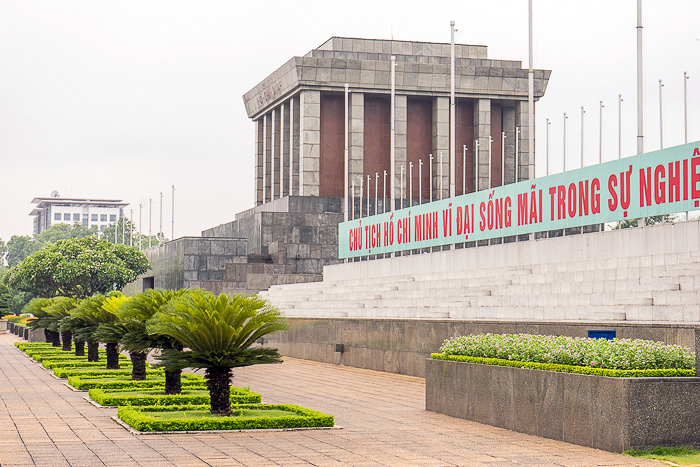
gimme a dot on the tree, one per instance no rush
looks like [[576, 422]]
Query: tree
[[60, 309], [218, 333], [651, 220], [18, 248], [3, 253], [78, 268], [5, 299], [130, 236]]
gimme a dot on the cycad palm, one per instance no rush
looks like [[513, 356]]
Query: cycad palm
[[60, 309], [92, 312], [134, 315], [37, 307], [218, 333]]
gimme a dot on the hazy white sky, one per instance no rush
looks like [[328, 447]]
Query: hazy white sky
[[124, 99]]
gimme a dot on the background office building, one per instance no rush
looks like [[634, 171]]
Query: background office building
[[86, 211]]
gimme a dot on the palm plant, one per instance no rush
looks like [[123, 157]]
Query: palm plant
[[37, 307], [60, 309], [92, 312], [218, 333], [134, 315]]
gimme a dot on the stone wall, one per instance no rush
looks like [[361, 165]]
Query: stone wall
[[403, 345]]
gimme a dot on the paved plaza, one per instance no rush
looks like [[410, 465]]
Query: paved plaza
[[383, 420]]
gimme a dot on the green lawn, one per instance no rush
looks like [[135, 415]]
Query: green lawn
[[680, 455]]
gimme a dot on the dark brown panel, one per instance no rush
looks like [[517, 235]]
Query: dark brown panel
[[377, 141], [332, 166], [419, 142], [496, 128], [464, 135]]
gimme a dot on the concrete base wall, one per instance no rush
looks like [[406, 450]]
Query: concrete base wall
[[402, 346], [612, 414]]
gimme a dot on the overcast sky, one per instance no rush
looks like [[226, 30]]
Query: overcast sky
[[123, 99]]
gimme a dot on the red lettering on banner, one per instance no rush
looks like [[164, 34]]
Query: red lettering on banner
[[645, 187], [695, 176], [552, 193], [612, 183], [659, 184], [595, 196], [674, 181]]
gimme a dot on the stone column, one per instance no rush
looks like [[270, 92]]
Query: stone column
[[310, 128], [259, 161], [285, 142], [526, 167], [441, 144], [356, 140], [267, 156], [482, 131], [294, 139], [697, 352], [400, 128], [509, 128], [276, 152]]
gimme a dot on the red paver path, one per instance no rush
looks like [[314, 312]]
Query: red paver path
[[42, 422]]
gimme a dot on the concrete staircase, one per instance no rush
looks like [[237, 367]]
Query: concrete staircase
[[656, 287]]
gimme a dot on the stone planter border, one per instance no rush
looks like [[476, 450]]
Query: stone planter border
[[606, 413]]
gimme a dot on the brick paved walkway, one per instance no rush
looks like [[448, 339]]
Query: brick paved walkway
[[42, 422]]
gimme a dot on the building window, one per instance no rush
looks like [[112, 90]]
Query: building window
[[103, 217], [102, 228], [66, 217], [57, 216], [85, 220], [76, 217], [113, 218], [93, 217]]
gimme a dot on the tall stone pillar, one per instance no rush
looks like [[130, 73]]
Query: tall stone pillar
[[276, 152], [441, 144], [310, 128], [356, 140], [526, 167], [482, 130], [267, 157], [294, 141], [400, 128], [258, 195], [509, 128], [285, 142]]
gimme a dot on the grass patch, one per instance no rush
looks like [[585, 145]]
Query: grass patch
[[27, 345], [189, 396], [86, 382], [40, 357], [679, 454], [245, 417]]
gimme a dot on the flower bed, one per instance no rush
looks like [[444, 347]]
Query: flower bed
[[246, 417], [145, 396], [86, 382], [616, 354]]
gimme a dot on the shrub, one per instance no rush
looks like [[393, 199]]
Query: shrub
[[75, 364], [30, 345], [86, 382], [568, 368], [616, 354], [146, 418], [124, 397], [102, 371]]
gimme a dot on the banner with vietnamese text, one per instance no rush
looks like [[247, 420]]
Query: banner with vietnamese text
[[655, 183]]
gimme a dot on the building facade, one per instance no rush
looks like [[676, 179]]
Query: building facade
[[299, 115], [86, 211]]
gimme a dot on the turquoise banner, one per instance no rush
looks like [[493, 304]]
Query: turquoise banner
[[651, 184]]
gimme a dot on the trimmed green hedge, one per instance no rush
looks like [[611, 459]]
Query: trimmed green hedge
[[25, 345], [53, 364], [69, 356], [98, 371], [299, 417], [126, 397], [584, 370], [85, 382]]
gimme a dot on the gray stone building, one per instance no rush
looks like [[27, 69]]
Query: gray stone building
[[299, 118], [299, 113]]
